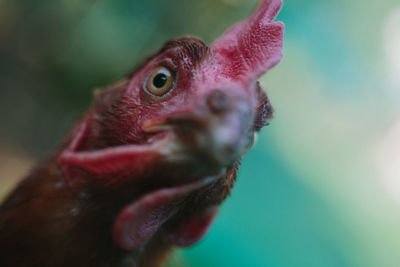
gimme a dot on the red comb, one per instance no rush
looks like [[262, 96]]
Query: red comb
[[250, 48]]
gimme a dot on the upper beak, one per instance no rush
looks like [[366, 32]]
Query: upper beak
[[220, 131]]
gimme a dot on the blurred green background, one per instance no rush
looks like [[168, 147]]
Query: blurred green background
[[322, 186]]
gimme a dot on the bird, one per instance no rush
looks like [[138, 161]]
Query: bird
[[147, 167]]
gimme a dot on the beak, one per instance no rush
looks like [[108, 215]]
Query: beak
[[219, 131]]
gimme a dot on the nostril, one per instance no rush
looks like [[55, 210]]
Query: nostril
[[217, 101]]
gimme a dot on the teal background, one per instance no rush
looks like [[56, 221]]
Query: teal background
[[322, 185]]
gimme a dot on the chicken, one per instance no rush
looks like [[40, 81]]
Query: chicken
[[148, 165]]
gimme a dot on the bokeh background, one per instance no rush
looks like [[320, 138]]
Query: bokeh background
[[322, 186]]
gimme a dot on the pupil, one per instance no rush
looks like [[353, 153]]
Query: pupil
[[160, 80]]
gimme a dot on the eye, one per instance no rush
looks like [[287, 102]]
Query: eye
[[159, 81]]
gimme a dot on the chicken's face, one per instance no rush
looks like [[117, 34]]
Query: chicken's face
[[208, 120], [202, 120], [181, 124]]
